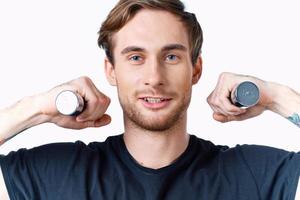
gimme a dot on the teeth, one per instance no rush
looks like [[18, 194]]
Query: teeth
[[154, 100]]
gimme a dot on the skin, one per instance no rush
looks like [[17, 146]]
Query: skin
[[146, 66]]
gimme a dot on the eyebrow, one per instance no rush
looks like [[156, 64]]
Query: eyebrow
[[168, 47], [132, 48]]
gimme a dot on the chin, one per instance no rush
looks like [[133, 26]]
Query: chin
[[155, 123]]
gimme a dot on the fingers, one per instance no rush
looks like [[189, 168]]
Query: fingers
[[96, 103], [219, 99], [220, 103], [102, 121], [220, 117], [223, 118], [95, 106], [72, 123], [248, 113]]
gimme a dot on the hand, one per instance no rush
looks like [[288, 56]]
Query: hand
[[224, 110], [95, 108]]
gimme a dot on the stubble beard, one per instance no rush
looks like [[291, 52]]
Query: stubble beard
[[135, 117]]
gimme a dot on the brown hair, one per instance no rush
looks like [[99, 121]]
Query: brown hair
[[126, 10]]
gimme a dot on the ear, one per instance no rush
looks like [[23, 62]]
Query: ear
[[110, 72], [197, 70]]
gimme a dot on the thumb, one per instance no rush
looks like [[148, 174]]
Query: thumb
[[222, 118], [250, 112], [104, 120]]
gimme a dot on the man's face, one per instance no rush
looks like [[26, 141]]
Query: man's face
[[153, 70]]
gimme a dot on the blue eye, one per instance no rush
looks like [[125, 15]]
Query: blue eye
[[171, 57], [135, 58]]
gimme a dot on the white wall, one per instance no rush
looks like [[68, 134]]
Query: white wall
[[45, 43]]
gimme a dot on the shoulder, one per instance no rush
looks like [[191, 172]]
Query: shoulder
[[261, 159], [59, 152], [276, 171], [255, 154]]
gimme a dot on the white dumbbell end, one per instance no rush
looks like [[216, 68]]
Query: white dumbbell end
[[69, 103]]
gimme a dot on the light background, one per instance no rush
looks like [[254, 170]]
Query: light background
[[45, 43]]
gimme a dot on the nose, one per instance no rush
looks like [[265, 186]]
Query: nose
[[154, 74]]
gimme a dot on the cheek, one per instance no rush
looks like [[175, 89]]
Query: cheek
[[127, 80], [182, 84], [183, 78]]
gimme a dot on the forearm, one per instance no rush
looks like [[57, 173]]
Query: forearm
[[286, 102], [41, 108], [20, 116]]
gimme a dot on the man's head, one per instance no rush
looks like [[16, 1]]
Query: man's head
[[150, 60]]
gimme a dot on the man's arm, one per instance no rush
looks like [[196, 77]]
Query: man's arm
[[273, 96], [24, 114], [286, 103], [16, 118], [37, 109]]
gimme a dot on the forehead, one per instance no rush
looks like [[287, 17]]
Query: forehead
[[151, 29]]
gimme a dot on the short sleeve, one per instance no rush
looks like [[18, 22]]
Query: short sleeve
[[275, 171], [38, 172]]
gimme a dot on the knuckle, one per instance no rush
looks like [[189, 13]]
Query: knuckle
[[211, 99], [108, 100], [208, 100], [104, 101], [85, 79], [224, 75], [101, 101]]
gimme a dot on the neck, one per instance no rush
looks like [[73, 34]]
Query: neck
[[156, 149]]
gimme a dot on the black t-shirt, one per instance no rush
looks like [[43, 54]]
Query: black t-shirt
[[106, 170]]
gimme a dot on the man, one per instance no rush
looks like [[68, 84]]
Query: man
[[154, 66]]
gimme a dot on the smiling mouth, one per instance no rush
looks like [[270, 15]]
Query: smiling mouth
[[155, 103], [154, 100]]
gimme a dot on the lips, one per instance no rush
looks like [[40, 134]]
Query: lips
[[155, 102]]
